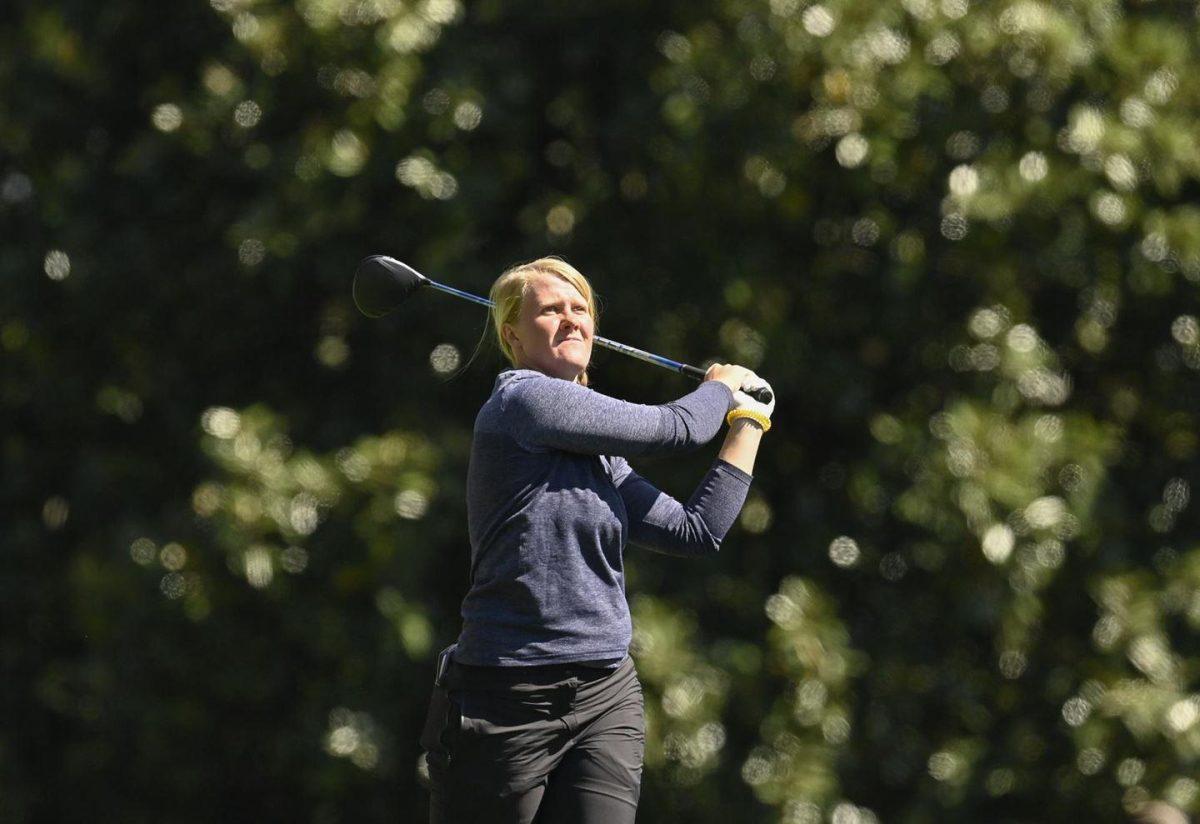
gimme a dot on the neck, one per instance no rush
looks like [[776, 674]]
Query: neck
[[577, 378]]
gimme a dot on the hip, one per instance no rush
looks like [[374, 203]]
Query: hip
[[522, 720]]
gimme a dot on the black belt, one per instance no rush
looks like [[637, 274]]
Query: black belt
[[455, 675]]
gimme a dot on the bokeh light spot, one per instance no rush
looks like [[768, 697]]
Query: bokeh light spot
[[954, 227], [1109, 207], [167, 117], [411, 504], [964, 181], [1022, 338], [1033, 166], [674, 46], [1076, 710], [893, 567], [420, 173], [353, 735], [844, 551], [294, 560], [1121, 172], [143, 551], [173, 585], [173, 557], [944, 765], [468, 116], [1130, 771], [954, 9], [220, 81], [347, 154], [16, 188], [221, 422], [942, 48], [333, 351], [1161, 85], [1186, 330], [756, 516], [56, 265], [852, 150], [1182, 715], [1090, 760], [997, 543], [560, 220], [55, 512], [247, 114], [1012, 663], [818, 21], [985, 323], [444, 358], [1135, 113], [257, 567], [251, 252]]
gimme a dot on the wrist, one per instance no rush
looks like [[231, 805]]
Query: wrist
[[740, 419]]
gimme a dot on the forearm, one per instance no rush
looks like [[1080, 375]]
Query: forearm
[[741, 445], [659, 522]]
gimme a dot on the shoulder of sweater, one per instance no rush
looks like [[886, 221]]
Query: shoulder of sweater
[[524, 387], [510, 377], [532, 380]]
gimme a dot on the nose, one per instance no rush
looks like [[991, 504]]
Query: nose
[[569, 327]]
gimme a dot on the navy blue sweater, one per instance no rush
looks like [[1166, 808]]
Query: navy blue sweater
[[551, 503]]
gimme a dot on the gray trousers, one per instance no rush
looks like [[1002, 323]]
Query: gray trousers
[[551, 744]]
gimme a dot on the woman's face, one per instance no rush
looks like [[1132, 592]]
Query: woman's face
[[553, 333]]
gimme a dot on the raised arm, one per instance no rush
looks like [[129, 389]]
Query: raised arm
[[552, 413], [661, 523]]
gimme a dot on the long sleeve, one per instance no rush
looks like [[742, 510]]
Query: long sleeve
[[551, 413], [549, 525], [661, 523]]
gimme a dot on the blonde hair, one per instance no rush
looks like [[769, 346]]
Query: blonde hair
[[508, 292]]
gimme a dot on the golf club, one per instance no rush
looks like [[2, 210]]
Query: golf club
[[382, 283]]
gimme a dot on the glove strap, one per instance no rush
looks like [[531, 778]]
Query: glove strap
[[758, 417]]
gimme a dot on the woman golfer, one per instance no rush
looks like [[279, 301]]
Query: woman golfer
[[537, 710]]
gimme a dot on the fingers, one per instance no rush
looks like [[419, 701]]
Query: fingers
[[736, 377], [752, 382], [728, 373], [745, 400]]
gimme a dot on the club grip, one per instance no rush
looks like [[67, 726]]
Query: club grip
[[762, 394]]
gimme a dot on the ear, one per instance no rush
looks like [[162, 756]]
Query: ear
[[510, 335]]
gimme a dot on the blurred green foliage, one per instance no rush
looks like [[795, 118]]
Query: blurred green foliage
[[960, 238]]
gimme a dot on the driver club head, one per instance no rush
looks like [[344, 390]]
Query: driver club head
[[382, 283]]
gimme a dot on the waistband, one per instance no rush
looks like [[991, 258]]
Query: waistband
[[540, 676]]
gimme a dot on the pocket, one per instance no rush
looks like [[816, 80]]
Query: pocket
[[505, 743], [442, 712]]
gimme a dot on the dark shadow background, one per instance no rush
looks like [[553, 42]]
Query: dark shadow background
[[960, 239]]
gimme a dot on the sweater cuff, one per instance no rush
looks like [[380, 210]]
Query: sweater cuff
[[720, 463], [728, 392]]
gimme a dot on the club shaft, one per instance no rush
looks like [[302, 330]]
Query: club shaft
[[450, 290], [650, 357]]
